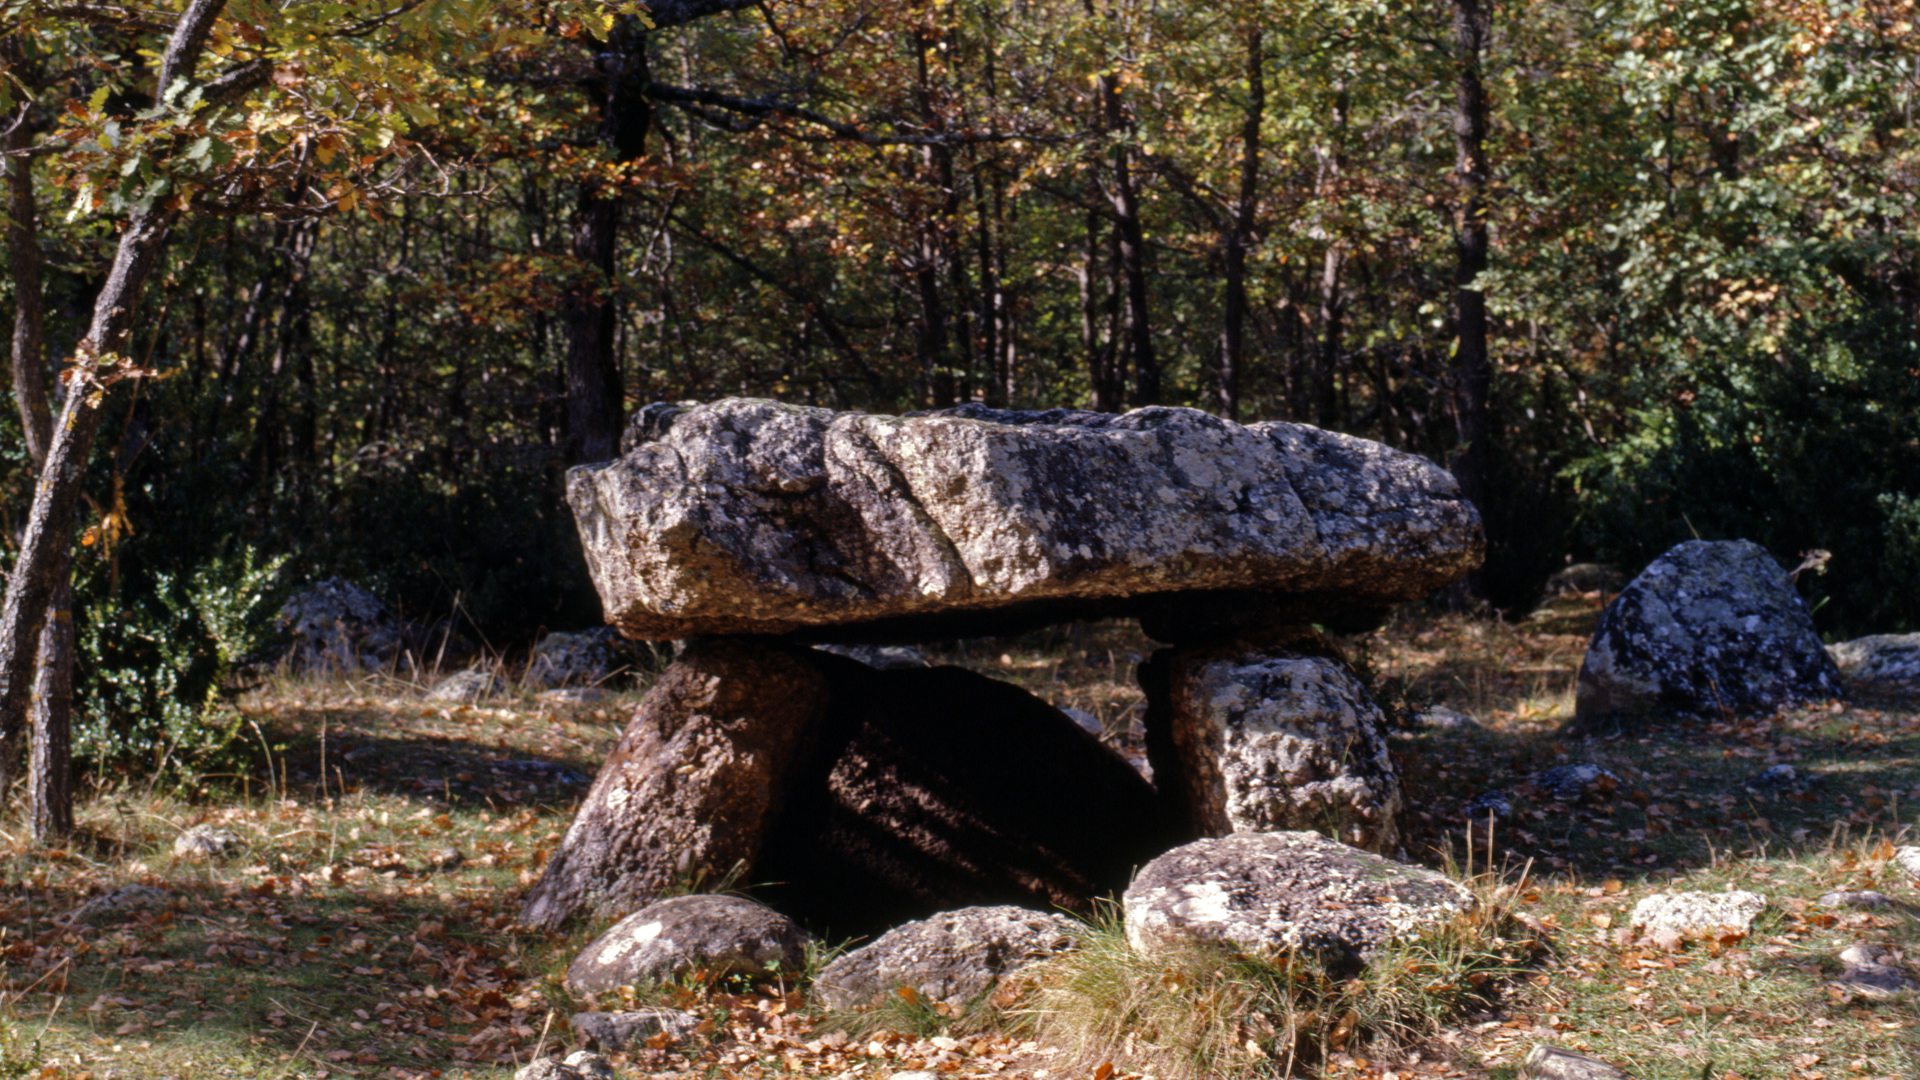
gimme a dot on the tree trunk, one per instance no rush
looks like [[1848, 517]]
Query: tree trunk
[[50, 765], [1132, 240], [1333, 262], [1473, 373], [1233, 324]]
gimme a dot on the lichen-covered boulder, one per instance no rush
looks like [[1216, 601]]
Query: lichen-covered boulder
[[747, 516], [336, 627], [1880, 663], [1710, 628], [1266, 894], [585, 658], [694, 785], [1243, 740], [721, 935], [954, 958]]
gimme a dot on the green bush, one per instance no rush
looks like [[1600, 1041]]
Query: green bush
[[156, 657]]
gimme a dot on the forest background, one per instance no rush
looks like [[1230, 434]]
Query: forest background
[[1637, 271]]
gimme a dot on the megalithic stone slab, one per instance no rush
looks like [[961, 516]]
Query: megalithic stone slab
[[753, 517]]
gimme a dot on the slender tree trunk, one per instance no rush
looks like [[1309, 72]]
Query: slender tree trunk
[[1473, 373], [50, 764], [1333, 263], [1097, 348], [1239, 238], [1132, 240]]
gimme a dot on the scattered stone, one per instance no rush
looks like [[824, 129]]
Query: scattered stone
[[1908, 858], [616, 1032], [204, 842], [551, 1068], [1582, 578], [336, 627], [1711, 629], [1576, 783], [1881, 663], [720, 935], [446, 858], [1494, 804], [1552, 1063], [1861, 898], [748, 516], [1872, 971], [1264, 894], [1780, 777], [574, 696], [1670, 918], [883, 657], [120, 902], [1247, 741], [693, 785], [954, 958], [467, 687], [585, 658], [1441, 718], [590, 1066]]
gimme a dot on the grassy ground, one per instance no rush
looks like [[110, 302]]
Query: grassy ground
[[364, 927]]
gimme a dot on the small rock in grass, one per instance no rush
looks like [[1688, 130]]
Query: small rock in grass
[[1441, 718], [1673, 917], [1908, 859], [548, 1069], [446, 858], [1574, 783], [722, 935], [618, 1031], [1781, 777], [1861, 898], [119, 902], [1552, 1063], [574, 696], [1489, 804], [590, 1066], [1872, 971], [951, 958], [205, 842], [467, 687]]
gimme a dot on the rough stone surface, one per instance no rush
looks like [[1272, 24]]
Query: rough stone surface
[[616, 1031], [1864, 899], [467, 687], [1577, 782], [1267, 893], [1552, 1063], [724, 935], [1693, 914], [1709, 628], [1780, 777], [1882, 663], [747, 516], [585, 658], [938, 787], [1873, 971], [1247, 741], [883, 657], [1494, 804], [693, 785], [1441, 718], [205, 842], [579, 1065], [590, 1066], [1585, 578], [119, 903], [955, 957], [1907, 858], [337, 627]]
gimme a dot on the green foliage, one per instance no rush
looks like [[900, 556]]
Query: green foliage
[[156, 658]]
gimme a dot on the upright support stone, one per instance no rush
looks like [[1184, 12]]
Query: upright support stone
[[1246, 739], [694, 785]]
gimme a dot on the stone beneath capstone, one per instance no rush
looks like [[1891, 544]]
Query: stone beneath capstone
[[1881, 663], [747, 516], [717, 934], [954, 958], [1243, 740], [1674, 916], [1266, 894], [694, 784], [1711, 628]]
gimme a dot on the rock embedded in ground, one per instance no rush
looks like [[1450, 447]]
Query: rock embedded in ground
[[590, 1066], [1266, 894], [583, 658], [1553, 1063], [1243, 740], [747, 516], [1907, 857], [1870, 970], [719, 935], [1780, 777], [1489, 804], [205, 842], [1880, 663], [1676, 916], [1710, 628], [467, 687], [1863, 899], [1585, 578], [574, 696], [1579, 782], [1441, 718], [616, 1032], [954, 958], [335, 627], [119, 903], [694, 784], [579, 1065]]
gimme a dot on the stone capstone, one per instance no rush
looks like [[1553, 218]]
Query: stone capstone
[[720, 935], [1710, 628], [1243, 740], [954, 958], [1880, 664], [752, 517], [1268, 894]]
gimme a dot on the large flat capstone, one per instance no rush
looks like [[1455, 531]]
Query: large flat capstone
[[753, 517]]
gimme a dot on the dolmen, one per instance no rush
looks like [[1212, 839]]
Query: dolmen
[[855, 798]]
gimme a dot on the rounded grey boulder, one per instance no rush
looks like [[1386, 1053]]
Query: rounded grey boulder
[[1268, 894], [953, 958], [724, 935], [1709, 628]]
